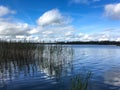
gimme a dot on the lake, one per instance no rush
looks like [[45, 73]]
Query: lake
[[51, 67]]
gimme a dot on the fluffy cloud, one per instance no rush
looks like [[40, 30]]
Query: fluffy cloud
[[52, 25], [112, 11], [7, 28], [34, 30], [53, 33], [111, 35], [52, 17], [4, 11]]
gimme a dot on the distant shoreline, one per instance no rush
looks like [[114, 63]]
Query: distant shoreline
[[93, 43], [67, 43]]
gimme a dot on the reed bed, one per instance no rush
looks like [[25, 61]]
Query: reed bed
[[29, 58], [13, 51]]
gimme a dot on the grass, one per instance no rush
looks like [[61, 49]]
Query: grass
[[79, 82]]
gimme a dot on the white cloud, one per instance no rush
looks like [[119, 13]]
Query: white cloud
[[4, 11], [70, 33], [105, 35], [8, 28], [52, 17], [20, 37], [48, 32], [33, 31], [118, 39], [52, 25], [55, 32], [112, 11]]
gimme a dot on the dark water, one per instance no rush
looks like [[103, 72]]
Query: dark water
[[51, 67]]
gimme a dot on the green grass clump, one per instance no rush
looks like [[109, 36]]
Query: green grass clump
[[80, 82]]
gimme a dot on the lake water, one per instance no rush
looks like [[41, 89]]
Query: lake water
[[51, 67]]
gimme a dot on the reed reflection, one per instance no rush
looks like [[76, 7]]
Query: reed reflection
[[21, 60]]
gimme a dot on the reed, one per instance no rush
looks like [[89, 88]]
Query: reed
[[16, 50], [80, 82], [27, 57]]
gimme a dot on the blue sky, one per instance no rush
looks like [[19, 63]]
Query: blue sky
[[81, 20]]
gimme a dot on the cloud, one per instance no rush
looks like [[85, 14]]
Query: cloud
[[52, 17], [4, 11], [8, 28], [52, 25], [105, 35], [34, 31], [113, 11], [54, 33]]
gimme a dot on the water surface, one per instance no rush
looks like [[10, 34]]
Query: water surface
[[50, 67]]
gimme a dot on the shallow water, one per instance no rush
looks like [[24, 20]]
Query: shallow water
[[50, 67]]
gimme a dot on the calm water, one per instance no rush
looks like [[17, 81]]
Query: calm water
[[51, 67]]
